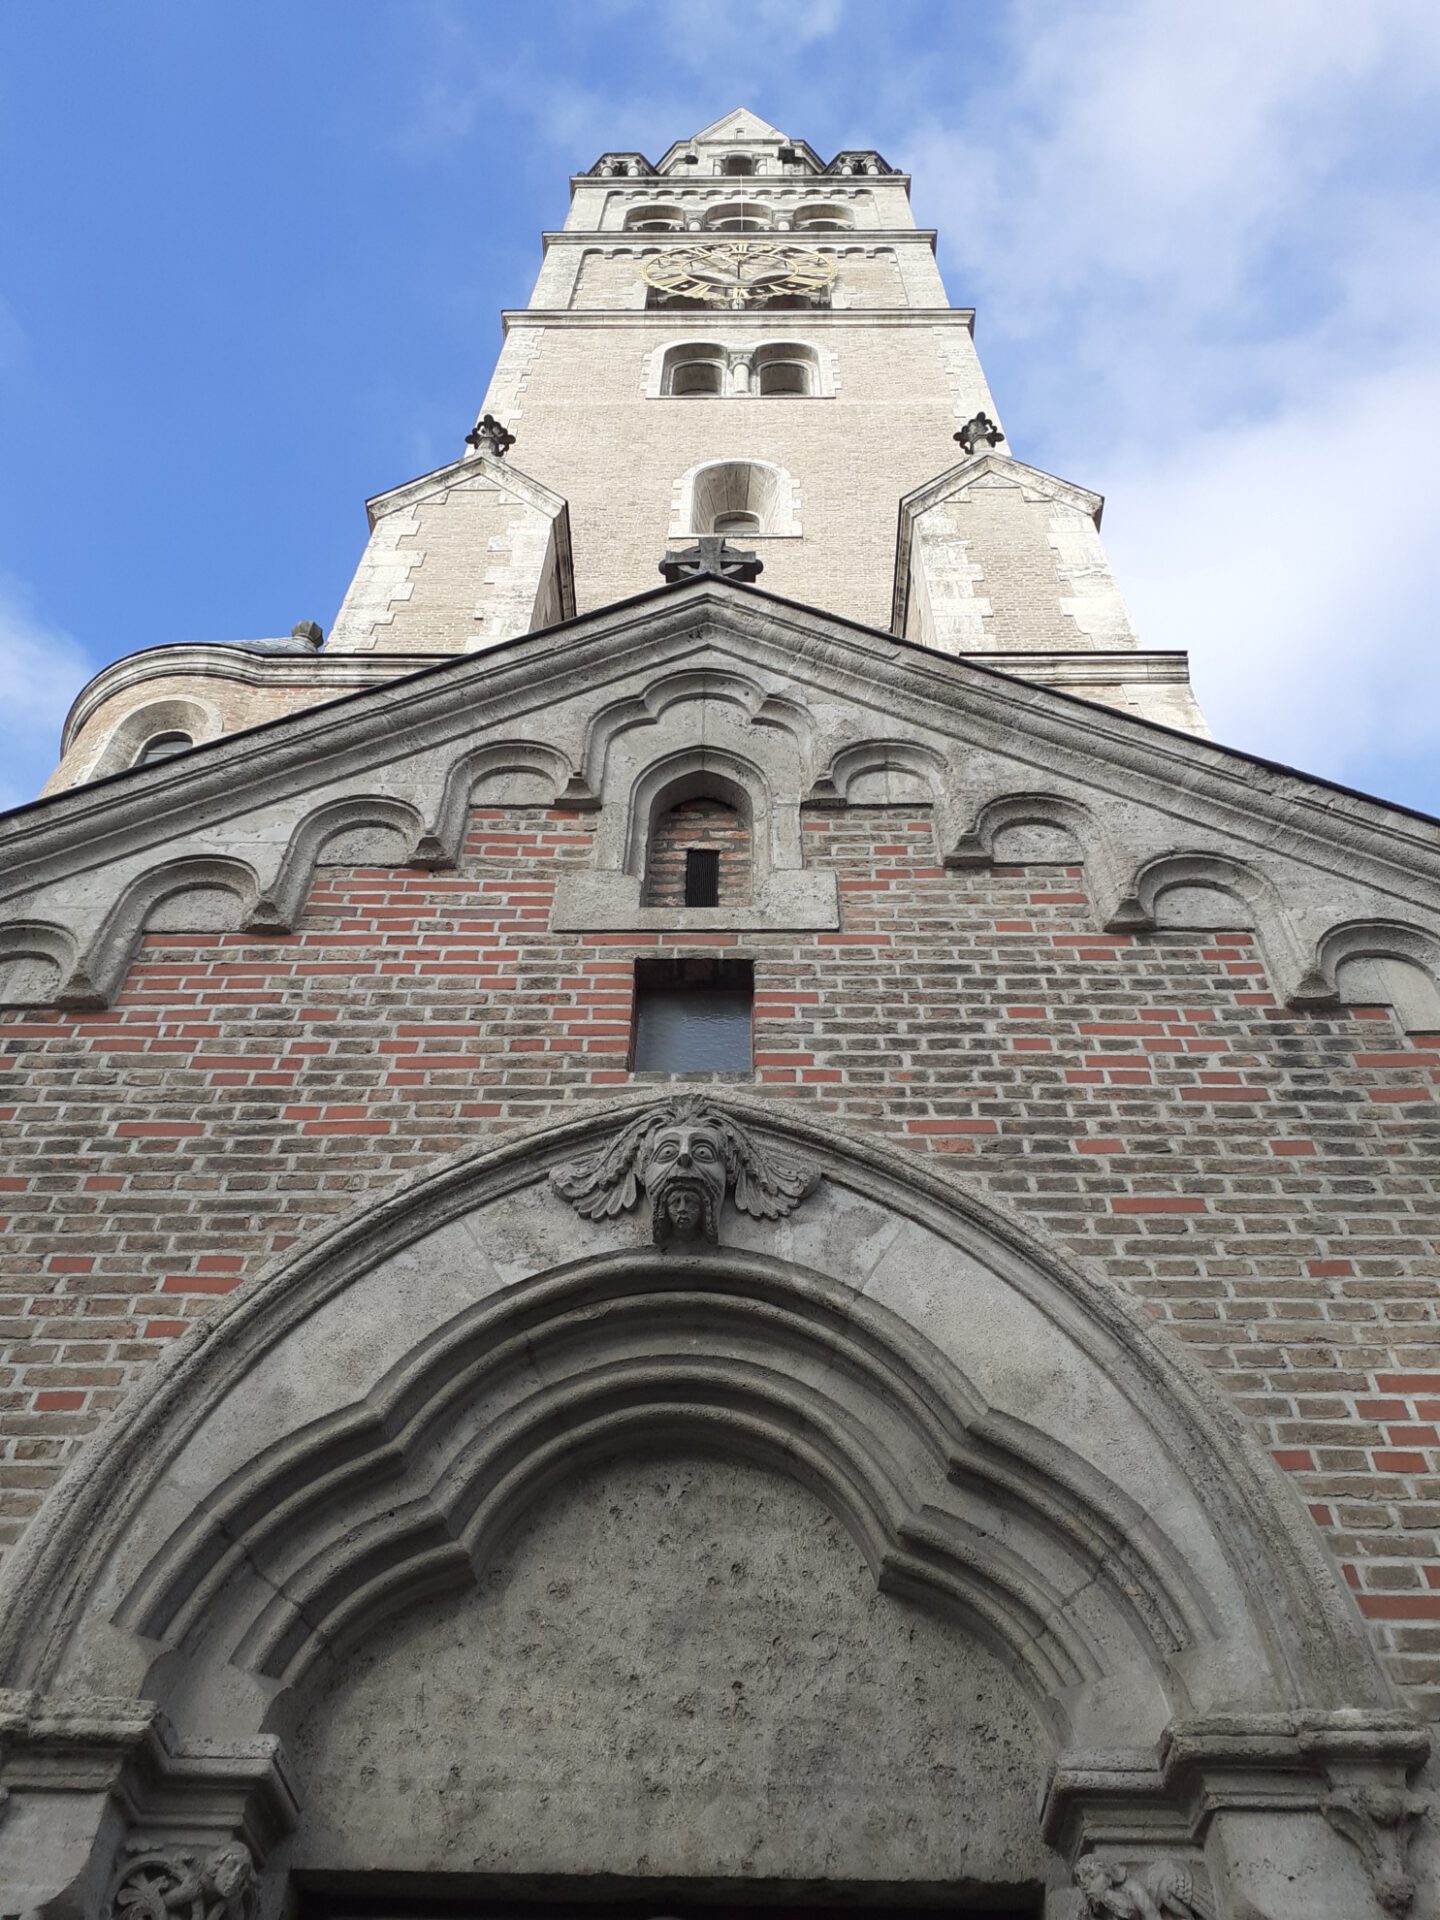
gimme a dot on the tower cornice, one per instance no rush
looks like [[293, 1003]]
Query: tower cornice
[[665, 318]]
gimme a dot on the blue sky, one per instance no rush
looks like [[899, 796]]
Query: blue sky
[[254, 254]]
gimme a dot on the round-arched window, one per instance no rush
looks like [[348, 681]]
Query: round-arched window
[[696, 368], [163, 746]]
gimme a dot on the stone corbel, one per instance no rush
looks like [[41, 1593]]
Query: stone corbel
[[1347, 1768], [1380, 1822], [102, 1803]]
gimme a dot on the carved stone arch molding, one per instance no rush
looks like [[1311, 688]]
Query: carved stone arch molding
[[704, 731], [882, 772], [198, 893], [1387, 963], [1194, 875], [343, 1483], [507, 771], [36, 958], [359, 830]]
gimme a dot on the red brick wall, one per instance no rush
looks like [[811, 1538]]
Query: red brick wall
[[1265, 1182], [697, 823]]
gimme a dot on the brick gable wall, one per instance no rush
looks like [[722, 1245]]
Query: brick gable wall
[[1262, 1182]]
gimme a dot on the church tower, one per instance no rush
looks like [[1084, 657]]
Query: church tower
[[708, 1218]]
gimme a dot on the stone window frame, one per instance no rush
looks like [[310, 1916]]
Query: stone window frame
[[777, 504], [693, 200], [658, 217], [784, 892], [738, 381], [129, 736]]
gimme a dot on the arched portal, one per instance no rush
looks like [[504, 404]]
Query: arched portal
[[1019, 1550]]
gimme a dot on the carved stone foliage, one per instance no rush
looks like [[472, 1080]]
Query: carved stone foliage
[[684, 1155], [1160, 1890], [491, 437], [183, 1883], [978, 435], [1381, 1822]]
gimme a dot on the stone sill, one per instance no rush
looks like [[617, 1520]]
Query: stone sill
[[786, 902]]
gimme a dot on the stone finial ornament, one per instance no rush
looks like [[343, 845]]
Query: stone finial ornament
[[178, 1883], [979, 433], [490, 437], [684, 1154], [309, 633], [1161, 1890], [713, 554], [1380, 1822]]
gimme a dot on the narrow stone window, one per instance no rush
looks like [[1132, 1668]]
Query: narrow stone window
[[742, 216], [696, 837], [823, 220], [740, 496], [163, 746], [693, 1016], [786, 367], [694, 369], [702, 876]]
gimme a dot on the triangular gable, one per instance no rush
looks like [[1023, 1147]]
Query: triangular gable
[[738, 127], [739, 124], [510, 479], [984, 469], [245, 815]]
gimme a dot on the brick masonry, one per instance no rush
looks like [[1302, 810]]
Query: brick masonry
[[697, 823], [1261, 1181]]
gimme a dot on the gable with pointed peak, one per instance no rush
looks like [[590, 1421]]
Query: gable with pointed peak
[[996, 556], [788, 702], [477, 542], [739, 124]]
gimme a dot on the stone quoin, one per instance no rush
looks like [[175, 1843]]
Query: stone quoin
[[706, 1217]]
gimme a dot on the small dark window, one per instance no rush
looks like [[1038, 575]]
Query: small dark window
[[702, 877], [163, 746], [693, 1016]]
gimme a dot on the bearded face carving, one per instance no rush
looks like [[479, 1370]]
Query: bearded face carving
[[684, 1155]]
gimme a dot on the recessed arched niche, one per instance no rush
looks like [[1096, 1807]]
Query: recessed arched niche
[[698, 850]]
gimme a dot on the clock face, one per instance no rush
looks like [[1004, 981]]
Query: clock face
[[739, 273]]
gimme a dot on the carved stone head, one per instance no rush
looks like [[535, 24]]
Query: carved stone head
[[684, 1154], [682, 1167], [230, 1874]]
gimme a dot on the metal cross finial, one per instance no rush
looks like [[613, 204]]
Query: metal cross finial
[[712, 554], [490, 437], [978, 434]]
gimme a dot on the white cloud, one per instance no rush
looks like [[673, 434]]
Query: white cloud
[[1206, 244], [1294, 557], [41, 671]]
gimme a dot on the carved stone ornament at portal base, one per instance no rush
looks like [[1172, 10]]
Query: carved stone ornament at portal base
[[685, 1155], [183, 1883], [1380, 1821], [1159, 1890]]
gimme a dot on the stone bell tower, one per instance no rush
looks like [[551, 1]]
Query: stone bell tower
[[741, 339]]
